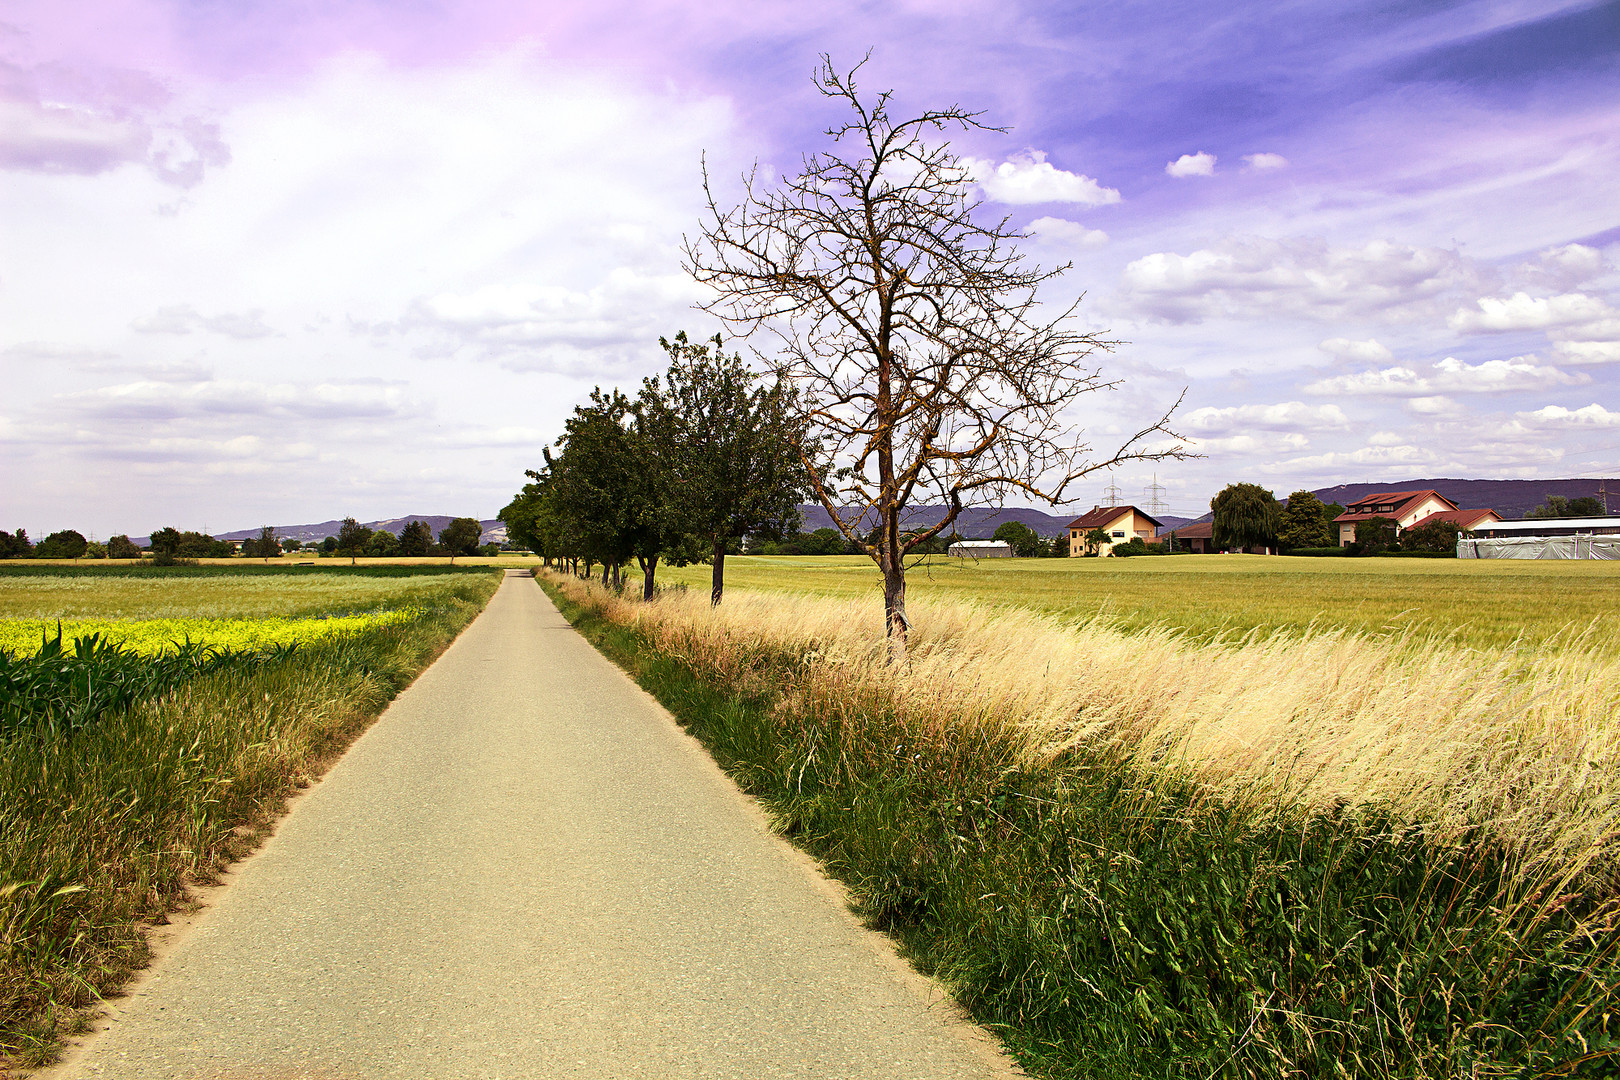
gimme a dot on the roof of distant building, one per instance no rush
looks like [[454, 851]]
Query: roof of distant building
[[1398, 502], [1100, 517]]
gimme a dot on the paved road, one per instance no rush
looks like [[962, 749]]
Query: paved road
[[525, 869]]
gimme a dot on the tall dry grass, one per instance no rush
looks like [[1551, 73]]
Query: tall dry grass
[[1517, 744]]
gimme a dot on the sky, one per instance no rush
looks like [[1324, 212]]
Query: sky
[[269, 263]]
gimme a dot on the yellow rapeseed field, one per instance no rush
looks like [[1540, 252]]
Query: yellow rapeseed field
[[23, 637]]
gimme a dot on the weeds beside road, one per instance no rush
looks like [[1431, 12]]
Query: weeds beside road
[[102, 828], [1141, 855]]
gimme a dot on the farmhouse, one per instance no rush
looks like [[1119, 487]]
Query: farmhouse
[[981, 549], [1404, 508], [1121, 523]]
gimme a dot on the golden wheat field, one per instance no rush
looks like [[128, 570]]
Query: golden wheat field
[[1313, 706], [1479, 603]]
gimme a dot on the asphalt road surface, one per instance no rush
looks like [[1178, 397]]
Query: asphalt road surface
[[525, 869]]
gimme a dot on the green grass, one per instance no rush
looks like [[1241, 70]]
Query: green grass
[[251, 592], [1481, 603], [104, 825], [1108, 923]]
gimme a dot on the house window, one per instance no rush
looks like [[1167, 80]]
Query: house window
[[1117, 532]]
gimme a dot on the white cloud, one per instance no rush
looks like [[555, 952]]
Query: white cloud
[[552, 327], [1199, 164], [1369, 351], [1306, 278], [1521, 311], [183, 319], [148, 401], [1067, 233], [1437, 405], [1262, 162], [1593, 415], [1029, 178], [1564, 268], [1285, 416], [1448, 376], [1588, 352], [1251, 444]]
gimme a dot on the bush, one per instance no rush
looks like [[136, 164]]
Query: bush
[[1321, 552]]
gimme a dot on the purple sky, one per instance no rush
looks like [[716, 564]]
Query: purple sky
[[268, 263]]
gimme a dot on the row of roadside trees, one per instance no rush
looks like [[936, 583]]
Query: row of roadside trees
[[703, 456]]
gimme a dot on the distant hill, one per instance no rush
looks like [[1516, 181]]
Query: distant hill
[[1510, 498], [494, 530]]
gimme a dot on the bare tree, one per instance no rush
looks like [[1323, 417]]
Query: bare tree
[[913, 332]]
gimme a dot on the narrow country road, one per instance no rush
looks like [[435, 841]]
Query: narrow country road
[[525, 869]]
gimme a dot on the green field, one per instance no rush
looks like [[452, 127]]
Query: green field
[[1489, 603], [242, 592]]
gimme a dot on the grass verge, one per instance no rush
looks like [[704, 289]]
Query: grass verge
[[1112, 917], [103, 829]]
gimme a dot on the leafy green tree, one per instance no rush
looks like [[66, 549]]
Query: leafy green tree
[[264, 546], [1020, 537], [726, 451], [120, 547], [382, 545], [415, 539], [95, 551], [1095, 540], [1557, 506], [9, 548], [1246, 515], [290, 545], [1303, 523], [1058, 547], [66, 544], [824, 541], [604, 486], [460, 537], [165, 541], [352, 539], [1375, 534], [1439, 535], [329, 546]]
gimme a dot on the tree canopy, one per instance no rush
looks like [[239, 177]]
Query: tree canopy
[[1305, 523], [912, 330], [1246, 515]]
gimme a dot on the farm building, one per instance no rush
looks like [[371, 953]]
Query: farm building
[[1198, 537], [1121, 523], [1406, 509], [981, 549], [1544, 538]]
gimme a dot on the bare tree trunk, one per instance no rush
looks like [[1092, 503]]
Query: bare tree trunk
[[718, 585], [894, 607], [607, 571], [648, 568]]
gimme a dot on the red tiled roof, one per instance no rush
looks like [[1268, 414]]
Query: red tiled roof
[[1361, 509], [1100, 517], [1202, 530], [1465, 519]]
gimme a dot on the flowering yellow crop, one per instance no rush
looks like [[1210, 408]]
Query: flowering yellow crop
[[22, 637]]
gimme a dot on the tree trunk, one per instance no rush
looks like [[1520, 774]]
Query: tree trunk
[[648, 568], [719, 581], [894, 604], [606, 572]]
